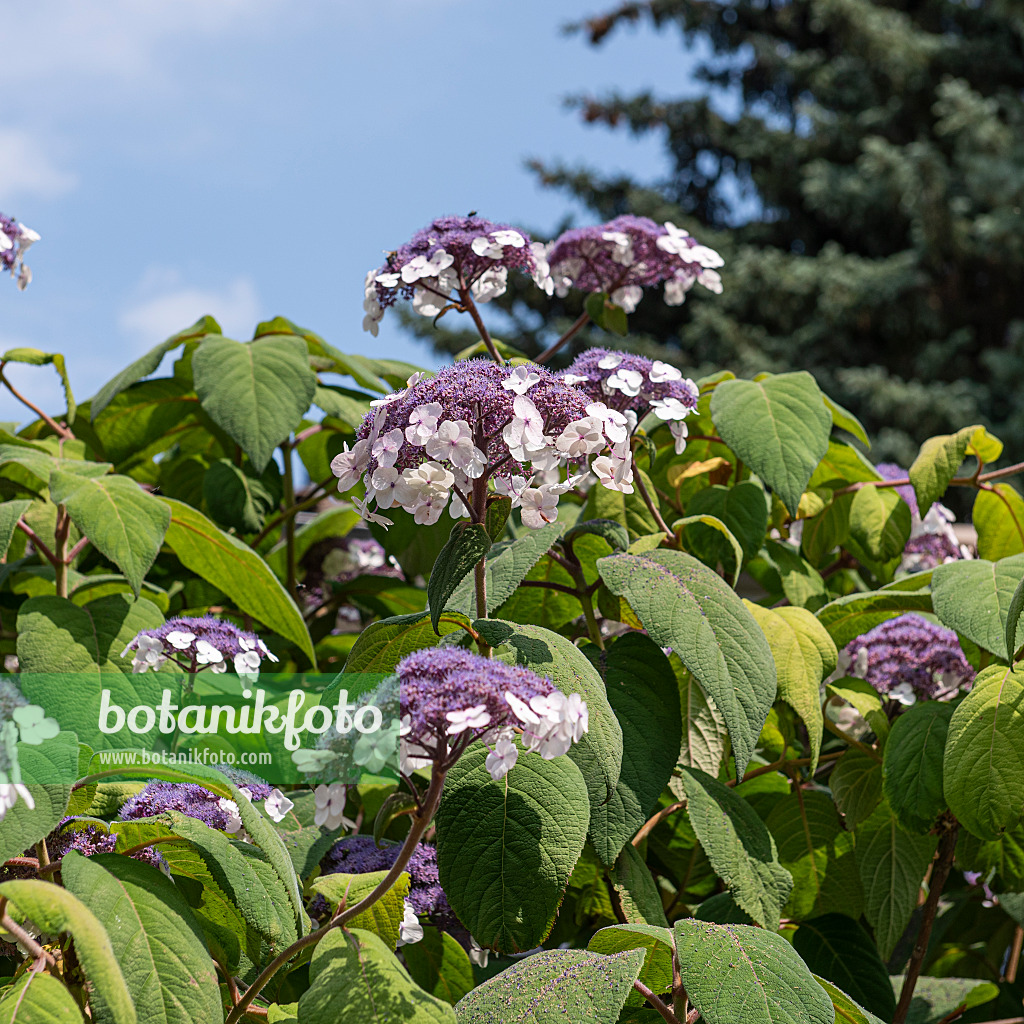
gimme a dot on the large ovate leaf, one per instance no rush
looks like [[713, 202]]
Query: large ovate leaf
[[121, 520], [804, 655], [657, 944], [506, 848], [257, 392], [439, 965], [892, 864], [998, 516], [847, 1010], [468, 543], [836, 947], [598, 754], [856, 784], [145, 365], [818, 852], [912, 770], [38, 998], [704, 733], [766, 981], [55, 910], [636, 894], [936, 999], [237, 498], [384, 917], [557, 986], [940, 457], [778, 426], [741, 850], [641, 689], [10, 513], [684, 605], [742, 508], [880, 522], [154, 936], [236, 569], [383, 644], [355, 978], [983, 765]]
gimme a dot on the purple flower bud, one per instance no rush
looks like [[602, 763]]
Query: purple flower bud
[[910, 656]]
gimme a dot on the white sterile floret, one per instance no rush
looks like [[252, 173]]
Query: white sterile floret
[[277, 805], [629, 382], [503, 757], [422, 423], [383, 482], [622, 251], [581, 438], [539, 507], [330, 805], [903, 693], [670, 409], [477, 954], [509, 236], [487, 246], [679, 431], [385, 448], [419, 266], [417, 485], [453, 441], [247, 663], [180, 640], [521, 380], [9, 793], [348, 466], [409, 930], [207, 654], [663, 372], [511, 487], [524, 433], [610, 361], [615, 471], [476, 717], [712, 280], [387, 279], [5, 243], [362, 507], [627, 298], [149, 654], [675, 242], [230, 809], [490, 284], [617, 426]]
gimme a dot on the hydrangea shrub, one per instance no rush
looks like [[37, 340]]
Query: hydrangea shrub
[[690, 699]]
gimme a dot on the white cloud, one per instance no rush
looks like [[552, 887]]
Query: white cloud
[[27, 169], [167, 305]]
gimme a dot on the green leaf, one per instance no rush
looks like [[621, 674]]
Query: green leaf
[[48, 770], [35, 357], [937, 998], [862, 696], [1013, 619], [766, 983], [836, 947], [940, 457], [912, 770], [257, 391], [778, 426], [843, 464], [506, 849], [383, 644], [348, 406], [615, 533], [818, 852], [145, 365], [637, 895], [507, 565], [468, 543], [55, 635], [983, 767], [155, 937], [499, 508], [641, 689], [599, 753], [973, 597], [55, 910], [628, 510], [880, 522], [998, 516], [847, 1011], [892, 864], [10, 513], [704, 733], [238, 499], [734, 558], [557, 986], [37, 998], [740, 848], [856, 784], [845, 420], [804, 655], [791, 573], [742, 508], [121, 520], [684, 605], [658, 947], [355, 978], [849, 617], [439, 965], [236, 569], [384, 917]]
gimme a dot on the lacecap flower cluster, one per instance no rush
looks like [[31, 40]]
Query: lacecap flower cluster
[[438, 443], [195, 644], [15, 240]]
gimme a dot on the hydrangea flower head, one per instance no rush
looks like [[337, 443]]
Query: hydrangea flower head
[[15, 240], [632, 385], [628, 254], [195, 644], [452, 260], [441, 439], [910, 658], [451, 697]]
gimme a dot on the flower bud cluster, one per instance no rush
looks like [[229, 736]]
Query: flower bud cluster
[[449, 260], [626, 255], [15, 240], [195, 644], [451, 697], [909, 658]]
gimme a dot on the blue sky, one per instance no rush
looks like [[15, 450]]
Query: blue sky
[[250, 158]]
